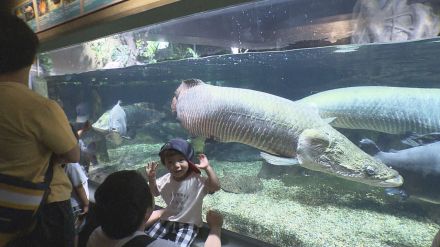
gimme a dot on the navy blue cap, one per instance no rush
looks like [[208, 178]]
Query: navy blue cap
[[182, 147]]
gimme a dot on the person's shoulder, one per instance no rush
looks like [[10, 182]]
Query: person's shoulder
[[51, 104], [27, 93], [44, 103], [96, 237]]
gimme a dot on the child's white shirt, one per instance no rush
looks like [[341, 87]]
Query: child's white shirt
[[184, 199], [77, 177]]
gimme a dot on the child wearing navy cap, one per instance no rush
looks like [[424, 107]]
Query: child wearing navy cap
[[182, 189]]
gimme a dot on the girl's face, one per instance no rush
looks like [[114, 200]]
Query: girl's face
[[176, 165]]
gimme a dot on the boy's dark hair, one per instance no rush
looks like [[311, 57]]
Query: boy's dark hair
[[18, 43], [121, 203]]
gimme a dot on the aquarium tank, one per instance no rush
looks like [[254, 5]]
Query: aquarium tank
[[320, 117]]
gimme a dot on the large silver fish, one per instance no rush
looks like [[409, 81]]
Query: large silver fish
[[393, 110], [420, 166], [278, 126]]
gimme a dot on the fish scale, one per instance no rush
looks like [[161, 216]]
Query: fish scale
[[235, 121]]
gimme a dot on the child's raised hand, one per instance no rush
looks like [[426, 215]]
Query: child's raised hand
[[204, 162], [151, 169]]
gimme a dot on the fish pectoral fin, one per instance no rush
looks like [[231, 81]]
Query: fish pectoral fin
[[126, 137], [278, 160], [329, 120]]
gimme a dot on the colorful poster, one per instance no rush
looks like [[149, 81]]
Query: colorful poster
[[52, 12], [71, 9], [44, 14], [26, 11]]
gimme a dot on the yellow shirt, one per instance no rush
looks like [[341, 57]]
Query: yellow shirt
[[31, 128]]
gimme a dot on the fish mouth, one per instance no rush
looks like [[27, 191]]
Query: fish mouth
[[395, 181]]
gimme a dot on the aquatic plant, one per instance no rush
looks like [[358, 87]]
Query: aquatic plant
[[45, 63], [147, 50]]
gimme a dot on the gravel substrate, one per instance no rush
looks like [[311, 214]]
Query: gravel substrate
[[311, 210]]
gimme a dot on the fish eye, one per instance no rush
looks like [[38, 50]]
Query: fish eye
[[370, 170]]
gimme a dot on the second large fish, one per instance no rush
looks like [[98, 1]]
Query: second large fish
[[393, 110], [278, 126]]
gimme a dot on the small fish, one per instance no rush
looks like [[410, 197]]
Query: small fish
[[121, 121]]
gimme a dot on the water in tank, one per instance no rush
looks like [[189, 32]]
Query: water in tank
[[321, 118]]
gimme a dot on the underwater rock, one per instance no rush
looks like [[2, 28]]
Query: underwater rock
[[393, 20]]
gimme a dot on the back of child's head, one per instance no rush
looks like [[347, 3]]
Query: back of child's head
[[181, 146], [121, 203], [18, 43]]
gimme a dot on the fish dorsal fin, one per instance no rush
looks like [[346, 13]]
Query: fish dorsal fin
[[312, 107], [192, 82], [278, 160]]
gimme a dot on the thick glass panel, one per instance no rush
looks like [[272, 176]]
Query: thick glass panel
[[361, 94]]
